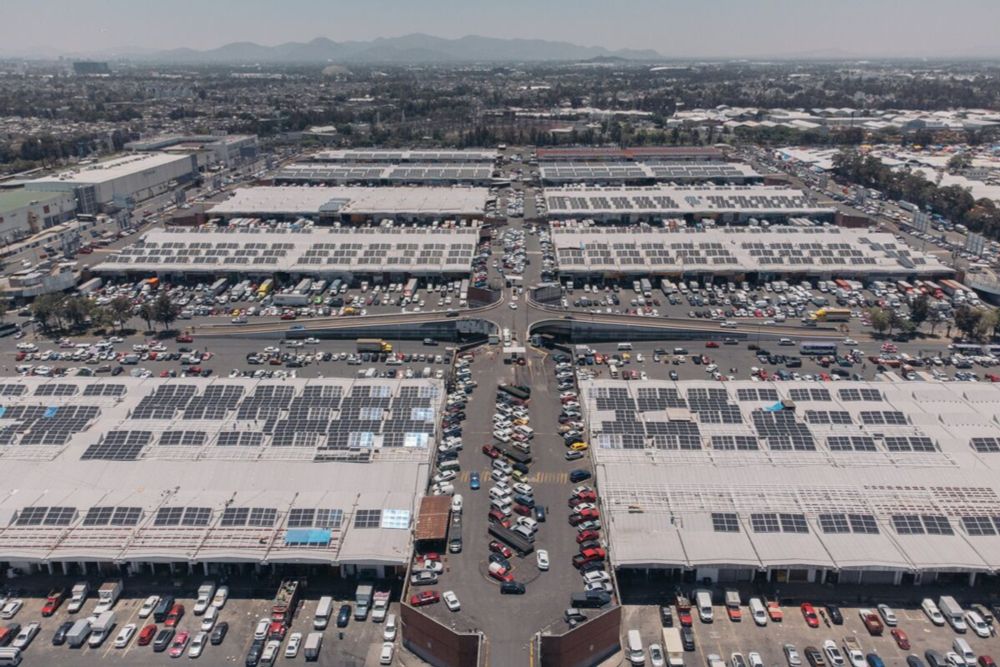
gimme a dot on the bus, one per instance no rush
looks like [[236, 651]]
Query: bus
[[265, 288], [817, 349], [463, 291], [904, 286], [827, 314], [411, 288], [842, 284], [647, 287]]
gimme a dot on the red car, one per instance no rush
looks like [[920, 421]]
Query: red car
[[146, 635], [496, 516], [502, 549], [711, 343], [583, 515], [986, 661], [812, 619], [586, 535], [588, 555], [175, 616], [873, 624], [902, 641], [276, 630], [184, 338], [684, 617], [424, 598], [179, 644], [491, 451], [522, 510], [586, 496], [52, 602], [430, 555]]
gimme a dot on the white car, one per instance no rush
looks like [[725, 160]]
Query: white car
[[148, 605], [513, 306], [385, 655], [221, 595], [524, 489], [456, 503], [754, 659], [124, 636], [451, 600], [932, 611], [656, 658], [292, 647], [850, 342], [978, 625], [596, 576], [833, 653], [444, 476], [888, 615], [11, 608], [542, 556], [260, 632], [25, 636], [197, 644]]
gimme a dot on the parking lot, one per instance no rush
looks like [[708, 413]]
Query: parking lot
[[723, 637]]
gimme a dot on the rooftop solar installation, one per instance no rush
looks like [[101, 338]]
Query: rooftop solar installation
[[315, 172], [554, 173], [207, 468], [405, 156], [796, 474], [310, 250], [646, 249]]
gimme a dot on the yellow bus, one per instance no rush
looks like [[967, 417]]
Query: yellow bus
[[265, 288], [831, 315]]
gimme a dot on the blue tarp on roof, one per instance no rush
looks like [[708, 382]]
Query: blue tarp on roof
[[777, 407], [51, 412], [301, 536]]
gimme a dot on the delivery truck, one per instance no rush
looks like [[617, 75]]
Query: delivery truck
[[107, 596]]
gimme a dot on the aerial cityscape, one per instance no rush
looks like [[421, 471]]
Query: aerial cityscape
[[538, 334]]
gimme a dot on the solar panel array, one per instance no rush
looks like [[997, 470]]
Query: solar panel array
[[667, 200], [307, 250], [45, 425], [648, 249], [383, 175], [405, 156]]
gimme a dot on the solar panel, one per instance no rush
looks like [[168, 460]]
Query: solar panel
[[765, 523], [119, 446], [794, 523], [196, 516], [907, 524], [98, 516], [863, 523], [985, 445], [168, 516], [937, 525], [979, 525], [367, 518], [59, 516], [834, 523], [725, 522]]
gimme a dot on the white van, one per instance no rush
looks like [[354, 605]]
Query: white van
[[703, 600], [451, 464], [498, 494], [10, 657], [323, 611], [758, 611], [961, 647], [634, 651], [624, 347], [502, 504]]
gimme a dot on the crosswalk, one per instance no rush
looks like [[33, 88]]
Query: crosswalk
[[533, 478]]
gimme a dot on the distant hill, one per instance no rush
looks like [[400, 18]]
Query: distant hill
[[406, 49]]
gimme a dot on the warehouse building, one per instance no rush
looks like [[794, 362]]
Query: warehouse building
[[26, 212], [642, 173], [724, 203], [862, 483], [824, 252], [225, 149], [355, 204], [637, 153], [378, 156], [151, 476], [115, 183], [443, 173], [323, 252]]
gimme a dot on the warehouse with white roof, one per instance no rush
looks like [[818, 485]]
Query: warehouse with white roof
[[378, 174], [865, 483], [727, 203], [641, 173], [591, 251], [388, 155], [323, 252], [152, 475], [355, 204]]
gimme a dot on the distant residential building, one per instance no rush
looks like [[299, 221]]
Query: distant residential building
[[224, 149], [91, 68]]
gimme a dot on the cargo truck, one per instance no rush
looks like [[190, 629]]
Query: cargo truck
[[205, 593], [952, 612], [284, 603], [102, 626], [314, 642], [673, 647], [77, 635], [363, 600], [107, 596], [291, 299], [78, 596], [373, 345], [380, 606]]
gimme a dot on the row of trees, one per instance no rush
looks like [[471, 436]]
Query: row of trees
[[57, 312], [972, 323], [953, 202]]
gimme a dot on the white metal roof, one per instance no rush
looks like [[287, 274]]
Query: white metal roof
[[298, 200], [856, 476], [109, 170]]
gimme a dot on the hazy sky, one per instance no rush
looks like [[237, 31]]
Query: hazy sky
[[672, 27]]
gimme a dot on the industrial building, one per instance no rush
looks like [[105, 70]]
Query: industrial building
[[26, 212], [149, 475], [640, 153], [355, 204], [325, 252], [642, 173], [443, 173], [116, 182], [803, 251], [863, 483], [377, 156], [225, 149], [731, 203]]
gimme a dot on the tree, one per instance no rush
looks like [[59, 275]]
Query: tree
[[967, 320], [3, 306], [77, 310], [959, 162], [148, 314], [895, 320], [987, 324], [120, 310], [880, 319], [47, 310], [920, 309], [165, 311]]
